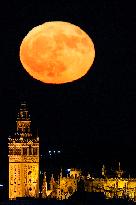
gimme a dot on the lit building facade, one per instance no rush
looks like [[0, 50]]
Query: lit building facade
[[23, 158], [117, 187], [24, 170], [62, 188]]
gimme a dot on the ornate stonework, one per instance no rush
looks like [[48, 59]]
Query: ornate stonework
[[23, 159]]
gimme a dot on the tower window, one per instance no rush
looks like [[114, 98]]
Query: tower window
[[10, 151], [24, 151], [30, 150], [34, 151], [18, 151]]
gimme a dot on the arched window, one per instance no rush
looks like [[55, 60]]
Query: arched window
[[30, 150], [34, 151], [10, 151], [24, 151]]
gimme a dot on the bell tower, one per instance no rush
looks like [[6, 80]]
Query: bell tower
[[23, 121], [23, 158]]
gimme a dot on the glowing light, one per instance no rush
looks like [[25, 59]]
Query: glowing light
[[57, 52]]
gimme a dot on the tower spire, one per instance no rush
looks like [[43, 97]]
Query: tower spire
[[44, 186], [119, 172], [119, 166], [23, 122], [103, 170], [61, 173]]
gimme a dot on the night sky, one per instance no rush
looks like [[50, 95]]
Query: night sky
[[93, 119]]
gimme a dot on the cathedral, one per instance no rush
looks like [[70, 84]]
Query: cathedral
[[63, 187], [24, 165], [117, 186], [23, 158]]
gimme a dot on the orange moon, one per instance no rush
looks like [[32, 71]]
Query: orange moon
[[57, 52]]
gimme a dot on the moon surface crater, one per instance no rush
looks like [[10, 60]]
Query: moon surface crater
[[57, 52]]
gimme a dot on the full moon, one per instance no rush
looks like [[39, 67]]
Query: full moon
[[57, 52]]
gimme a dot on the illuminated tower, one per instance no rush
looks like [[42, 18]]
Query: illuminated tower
[[23, 158], [103, 171], [44, 187], [119, 172]]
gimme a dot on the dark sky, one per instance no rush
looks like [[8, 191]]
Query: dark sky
[[94, 117]]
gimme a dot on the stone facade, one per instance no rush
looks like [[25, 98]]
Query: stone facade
[[23, 159], [117, 187]]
